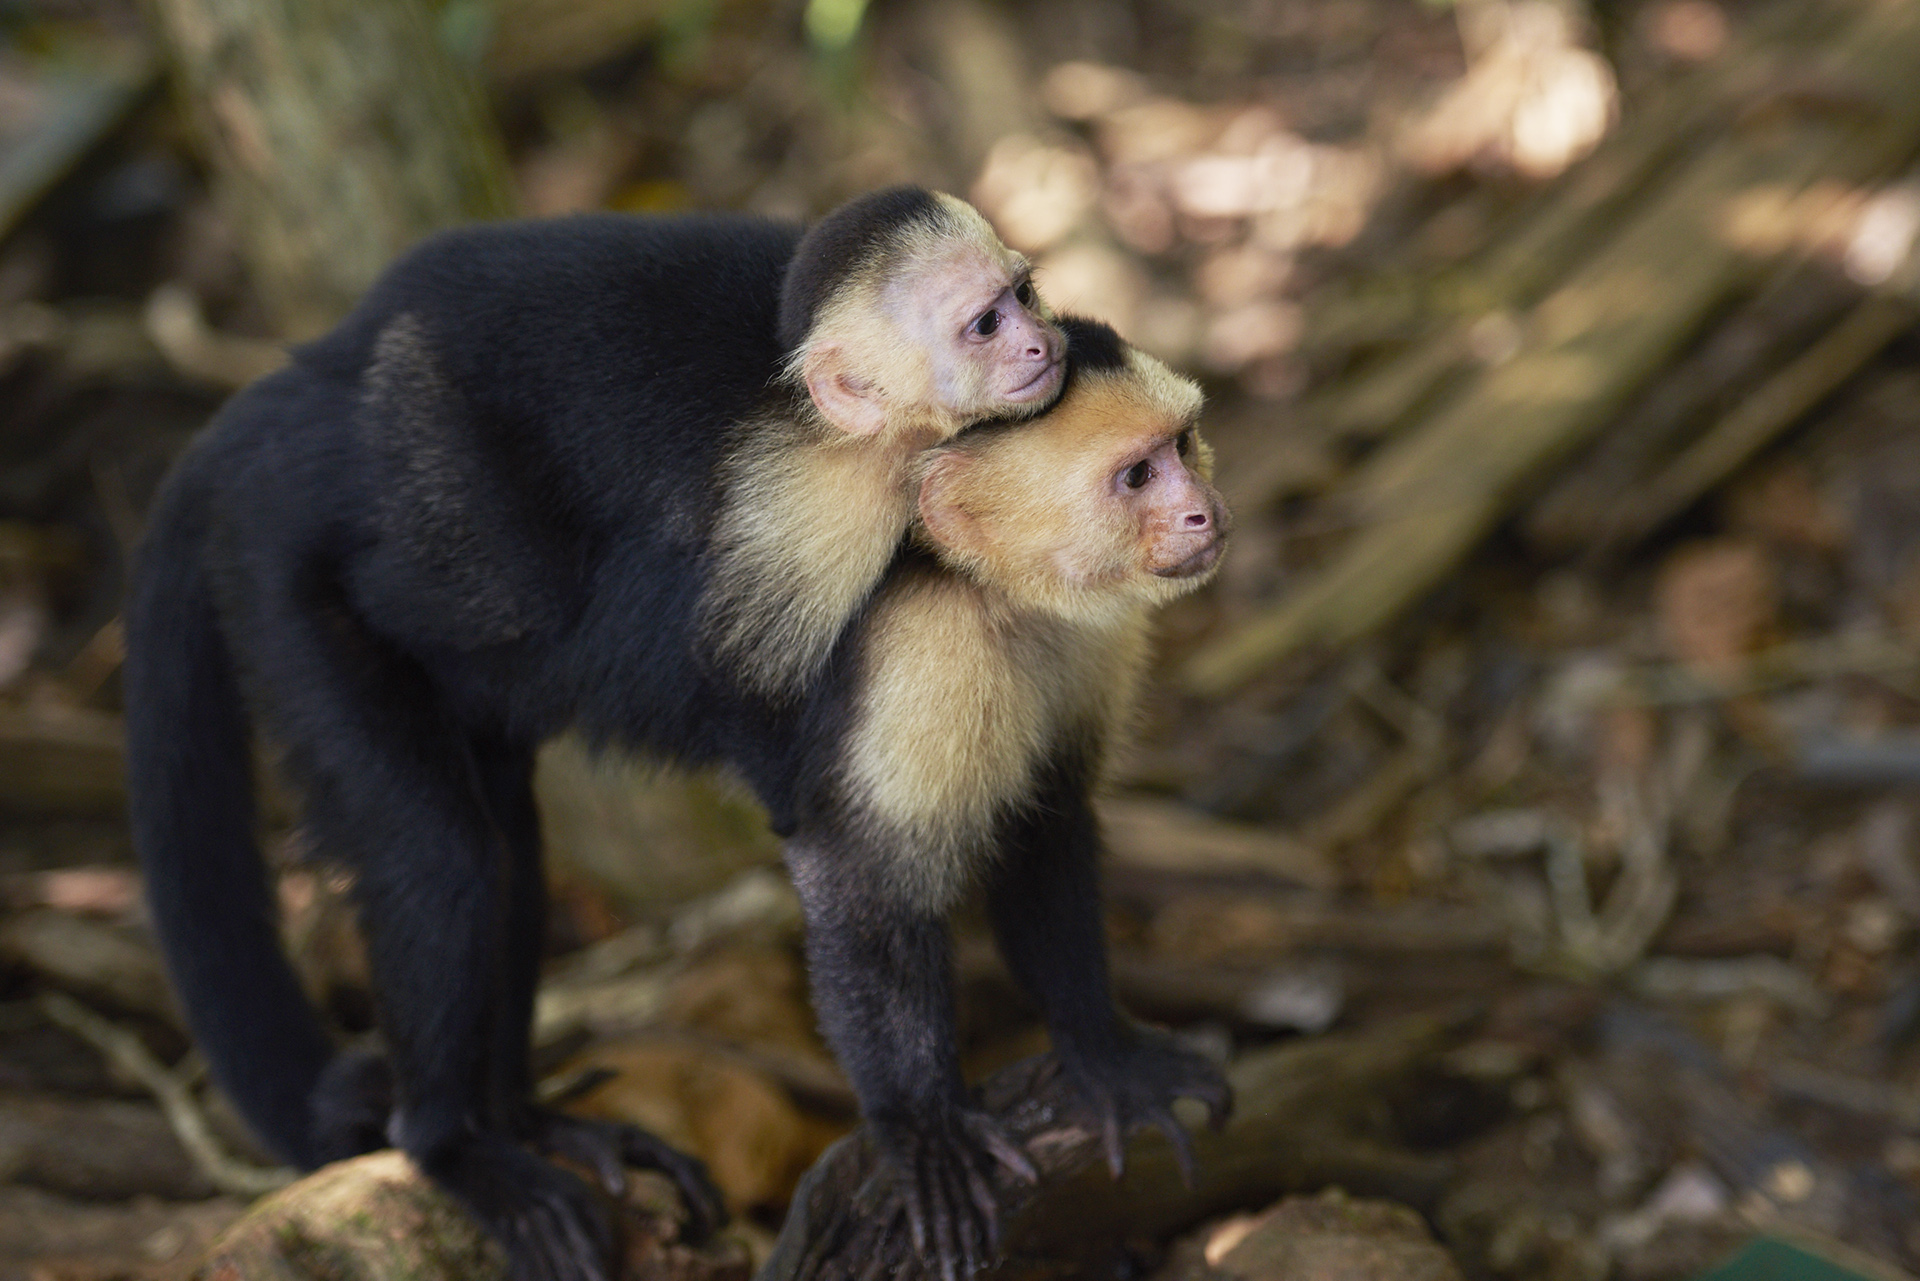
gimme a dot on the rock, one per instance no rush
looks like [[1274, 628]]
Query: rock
[[376, 1218], [1329, 1237]]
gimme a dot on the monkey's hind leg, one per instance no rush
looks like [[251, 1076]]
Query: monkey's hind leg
[[390, 789], [883, 987], [1044, 899], [608, 1148]]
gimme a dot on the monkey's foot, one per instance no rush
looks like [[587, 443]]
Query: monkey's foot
[[943, 1175], [1135, 1084], [610, 1149], [547, 1220], [351, 1106]]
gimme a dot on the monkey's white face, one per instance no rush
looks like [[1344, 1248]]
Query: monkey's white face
[[990, 345], [942, 330]]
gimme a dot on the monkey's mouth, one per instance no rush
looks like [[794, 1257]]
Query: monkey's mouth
[[1198, 563], [1041, 384]]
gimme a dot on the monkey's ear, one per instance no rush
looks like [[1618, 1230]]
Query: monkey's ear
[[849, 402], [946, 521]]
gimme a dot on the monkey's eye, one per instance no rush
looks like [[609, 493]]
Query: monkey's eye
[[1024, 292], [1137, 475], [1183, 443], [987, 324]]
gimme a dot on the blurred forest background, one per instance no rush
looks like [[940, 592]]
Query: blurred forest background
[[1529, 810]]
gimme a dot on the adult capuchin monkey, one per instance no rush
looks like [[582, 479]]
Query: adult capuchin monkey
[[629, 476]]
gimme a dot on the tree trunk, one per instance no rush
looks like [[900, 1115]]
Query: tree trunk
[[339, 132]]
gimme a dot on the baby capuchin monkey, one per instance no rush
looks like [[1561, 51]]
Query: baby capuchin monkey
[[905, 319], [991, 675], [625, 476]]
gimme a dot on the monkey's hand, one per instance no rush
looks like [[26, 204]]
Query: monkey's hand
[[943, 1172], [610, 1149], [1134, 1081], [548, 1220]]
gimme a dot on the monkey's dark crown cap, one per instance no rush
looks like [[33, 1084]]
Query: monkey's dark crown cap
[[838, 244], [1092, 344]]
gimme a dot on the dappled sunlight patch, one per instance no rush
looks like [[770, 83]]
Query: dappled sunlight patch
[[1162, 177], [1773, 218], [1094, 280], [1549, 378], [1886, 236], [1034, 193], [1688, 30], [1532, 102], [1252, 331], [1089, 90], [1584, 306]]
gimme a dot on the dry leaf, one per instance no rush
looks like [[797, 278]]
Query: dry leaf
[[1716, 602], [755, 1142]]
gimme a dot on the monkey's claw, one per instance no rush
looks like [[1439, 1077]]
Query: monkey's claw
[[610, 1149], [1135, 1084], [943, 1173]]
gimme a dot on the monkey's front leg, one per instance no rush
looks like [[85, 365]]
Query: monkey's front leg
[[1044, 898], [883, 989]]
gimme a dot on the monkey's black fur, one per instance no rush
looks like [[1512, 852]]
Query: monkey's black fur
[[1092, 345], [471, 517]]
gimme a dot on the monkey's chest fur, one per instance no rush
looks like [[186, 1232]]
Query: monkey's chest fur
[[963, 700]]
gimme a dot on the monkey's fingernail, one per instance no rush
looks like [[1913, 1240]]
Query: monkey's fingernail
[[1010, 1155], [1182, 1142], [1116, 1150]]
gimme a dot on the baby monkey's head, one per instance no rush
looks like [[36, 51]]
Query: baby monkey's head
[[1103, 503], [905, 316]]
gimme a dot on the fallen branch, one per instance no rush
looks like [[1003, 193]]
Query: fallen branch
[[1883, 657], [174, 321], [1777, 404], [1420, 757], [92, 957], [1785, 316], [1428, 498], [129, 1054], [65, 763], [1162, 836], [1562, 228]]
